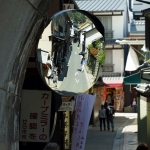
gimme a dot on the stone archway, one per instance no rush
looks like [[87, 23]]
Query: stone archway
[[20, 23]]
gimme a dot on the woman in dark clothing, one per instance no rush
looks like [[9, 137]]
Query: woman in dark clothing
[[102, 115], [105, 104]]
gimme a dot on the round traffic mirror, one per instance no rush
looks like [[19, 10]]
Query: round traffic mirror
[[71, 52]]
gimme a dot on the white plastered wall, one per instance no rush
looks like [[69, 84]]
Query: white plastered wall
[[117, 26], [117, 56]]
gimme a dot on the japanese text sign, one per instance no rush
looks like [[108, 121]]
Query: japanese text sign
[[84, 106], [66, 106], [68, 6], [35, 116], [67, 130]]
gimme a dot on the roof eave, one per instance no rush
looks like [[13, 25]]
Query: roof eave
[[114, 12], [143, 1]]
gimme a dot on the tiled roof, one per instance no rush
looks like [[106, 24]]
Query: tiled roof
[[144, 1], [84, 25], [101, 5], [139, 6], [137, 27], [138, 22]]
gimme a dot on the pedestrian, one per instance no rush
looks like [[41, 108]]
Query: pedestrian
[[102, 116], [110, 117], [117, 103], [49, 69], [55, 78], [109, 98], [134, 105], [83, 62], [105, 104], [143, 146]]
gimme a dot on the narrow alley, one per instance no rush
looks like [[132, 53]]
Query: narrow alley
[[123, 138]]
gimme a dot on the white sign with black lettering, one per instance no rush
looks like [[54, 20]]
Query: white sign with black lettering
[[66, 106]]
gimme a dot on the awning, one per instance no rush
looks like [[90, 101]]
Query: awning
[[66, 98], [113, 81], [133, 79], [100, 82]]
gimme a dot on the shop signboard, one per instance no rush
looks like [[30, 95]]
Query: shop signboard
[[68, 6], [35, 116], [66, 106], [67, 130], [84, 106]]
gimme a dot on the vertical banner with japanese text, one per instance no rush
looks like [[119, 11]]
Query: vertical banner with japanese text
[[35, 116], [84, 106]]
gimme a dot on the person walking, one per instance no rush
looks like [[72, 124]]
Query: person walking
[[134, 105], [83, 62], [102, 115], [109, 116]]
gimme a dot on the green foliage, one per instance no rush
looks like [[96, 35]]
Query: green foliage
[[77, 17], [101, 57], [148, 61], [101, 48], [97, 44], [89, 65], [90, 46]]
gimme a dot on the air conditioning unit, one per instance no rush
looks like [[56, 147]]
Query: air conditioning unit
[[143, 89]]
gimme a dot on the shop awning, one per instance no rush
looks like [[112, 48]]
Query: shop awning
[[100, 82], [113, 81], [132, 79]]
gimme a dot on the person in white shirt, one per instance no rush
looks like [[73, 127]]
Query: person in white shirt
[[134, 105], [83, 62], [102, 116]]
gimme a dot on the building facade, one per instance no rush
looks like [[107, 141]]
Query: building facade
[[110, 13]]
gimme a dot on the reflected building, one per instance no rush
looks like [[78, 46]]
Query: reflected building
[[59, 54]]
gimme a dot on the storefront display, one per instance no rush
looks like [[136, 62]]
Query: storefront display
[[102, 94], [112, 95]]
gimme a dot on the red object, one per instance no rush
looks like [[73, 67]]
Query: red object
[[115, 85], [113, 81]]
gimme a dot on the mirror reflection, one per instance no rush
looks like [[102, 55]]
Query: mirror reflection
[[70, 53]]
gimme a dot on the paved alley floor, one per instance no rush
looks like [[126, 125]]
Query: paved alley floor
[[123, 138]]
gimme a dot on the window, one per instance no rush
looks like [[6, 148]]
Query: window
[[108, 66], [106, 21], [108, 57]]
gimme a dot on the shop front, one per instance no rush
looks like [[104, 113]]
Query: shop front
[[113, 93]]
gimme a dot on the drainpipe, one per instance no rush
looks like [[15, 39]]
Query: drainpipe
[[61, 4], [83, 44], [130, 5]]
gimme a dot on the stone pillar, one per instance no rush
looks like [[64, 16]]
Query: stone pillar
[[20, 24], [148, 121], [144, 120], [138, 116]]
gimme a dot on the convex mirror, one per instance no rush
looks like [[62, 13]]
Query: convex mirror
[[71, 52]]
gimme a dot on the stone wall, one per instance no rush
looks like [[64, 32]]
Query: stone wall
[[21, 23]]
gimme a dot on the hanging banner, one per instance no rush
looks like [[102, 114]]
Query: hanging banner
[[84, 106], [35, 116], [132, 61]]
